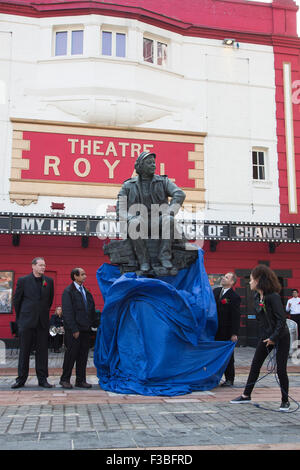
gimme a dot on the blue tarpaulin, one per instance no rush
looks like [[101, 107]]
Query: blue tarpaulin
[[157, 334]]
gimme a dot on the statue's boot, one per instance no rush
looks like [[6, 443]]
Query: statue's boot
[[145, 267], [166, 263]]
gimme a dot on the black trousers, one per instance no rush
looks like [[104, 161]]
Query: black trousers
[[27, 337], [296, 318], [77, 350], [230, 370], [282, 354], [57, 341]]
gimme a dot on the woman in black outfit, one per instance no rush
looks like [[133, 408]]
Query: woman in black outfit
[[57, 321], [273, 332]]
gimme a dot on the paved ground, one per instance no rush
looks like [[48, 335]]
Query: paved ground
[[55, 419]]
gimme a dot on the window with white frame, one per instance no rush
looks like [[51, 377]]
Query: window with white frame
[[259, 164], [155, 52], [68, 41], [113, 43]]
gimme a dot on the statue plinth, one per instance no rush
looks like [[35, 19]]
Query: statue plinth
[[121, 254]]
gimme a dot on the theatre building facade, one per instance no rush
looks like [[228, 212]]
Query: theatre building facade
[[212, 87]]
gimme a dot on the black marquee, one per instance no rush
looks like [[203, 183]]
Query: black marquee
[[107, 227]]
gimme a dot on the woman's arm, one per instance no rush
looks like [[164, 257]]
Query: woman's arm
[[278, 313]]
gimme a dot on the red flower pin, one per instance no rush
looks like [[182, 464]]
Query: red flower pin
[[44, 283], [262, 305], [224, 301]]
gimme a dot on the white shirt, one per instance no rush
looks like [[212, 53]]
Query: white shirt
[[293, 306], [225, 290], [78, 287]]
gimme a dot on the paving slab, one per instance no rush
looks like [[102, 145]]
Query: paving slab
[[33, 418]]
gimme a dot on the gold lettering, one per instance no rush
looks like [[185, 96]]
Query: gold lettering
[[87, 170], [51, 162], [96, 147], [73, 142], [147, 147], [84, 146], [111, 149], [123, 145], [111, 168], [135, 149]]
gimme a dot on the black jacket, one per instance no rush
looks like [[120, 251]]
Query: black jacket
[[56, 321], [32, 301], [75, 316], [228, 308], [272, 318]]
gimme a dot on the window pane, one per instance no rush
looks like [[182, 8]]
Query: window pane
[[261, 173], [148, 50], [120, 45], [261, 158], [255, 174], [77, 42], [61, 39], [254, 158], [106, 42], [161, 53]]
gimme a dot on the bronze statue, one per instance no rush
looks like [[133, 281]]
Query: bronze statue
[[144, 207]]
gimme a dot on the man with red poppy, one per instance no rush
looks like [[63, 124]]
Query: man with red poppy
[[32, 301], [228, 308]]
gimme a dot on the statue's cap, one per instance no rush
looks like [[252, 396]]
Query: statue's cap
[[142, 157]]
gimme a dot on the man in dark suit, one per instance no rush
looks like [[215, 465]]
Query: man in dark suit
[[32, 301], [79, 316], [228, 308]]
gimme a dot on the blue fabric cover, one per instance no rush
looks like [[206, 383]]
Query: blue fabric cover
[[157, 335]]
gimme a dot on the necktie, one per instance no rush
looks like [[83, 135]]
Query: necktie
[[84, 296], [221, 293]]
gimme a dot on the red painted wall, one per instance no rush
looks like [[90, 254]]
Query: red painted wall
[[278, 17], [61, 254], [231, 256], [291, 54], [64, 253]]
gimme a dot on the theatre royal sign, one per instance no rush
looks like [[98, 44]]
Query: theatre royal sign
[[69, 160]]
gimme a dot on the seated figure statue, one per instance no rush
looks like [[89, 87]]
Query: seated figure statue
[[143, 201], [147, 205]]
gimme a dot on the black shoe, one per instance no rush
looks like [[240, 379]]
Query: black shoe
[[45, 384], [83, 385], [65, 384], [285, 406], [241, 399], [17, 385], [227, 383]]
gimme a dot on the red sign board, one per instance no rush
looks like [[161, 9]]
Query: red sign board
[[94, 159]]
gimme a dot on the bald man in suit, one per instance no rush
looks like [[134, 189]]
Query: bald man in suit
[[32, 301]]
